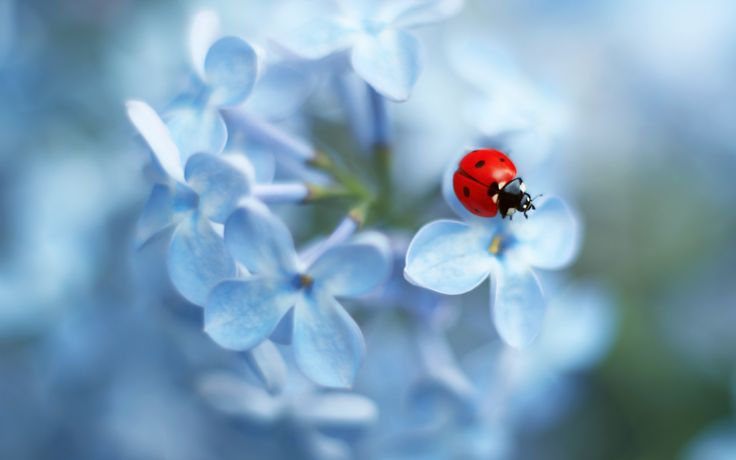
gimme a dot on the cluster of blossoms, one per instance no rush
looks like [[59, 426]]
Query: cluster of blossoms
[[225, 161]]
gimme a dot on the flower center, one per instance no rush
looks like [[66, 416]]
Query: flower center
[[306, 281], [495, 246]]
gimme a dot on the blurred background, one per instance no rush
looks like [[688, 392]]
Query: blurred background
[[98, 354]]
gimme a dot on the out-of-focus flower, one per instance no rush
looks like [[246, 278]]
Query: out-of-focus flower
[[717, 442], [453, 257], [535, 385], [513, 113], [226, 72], [328, 345], [382, 50], [320, 424]]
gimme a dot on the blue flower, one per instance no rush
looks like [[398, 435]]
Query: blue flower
[[382, 50], [328, 345], [515, 113], [718, 441], [453, 257], [226, 71], [319, 424], [203, 191]]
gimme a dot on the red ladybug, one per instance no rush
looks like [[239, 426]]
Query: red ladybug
[[486, 183]]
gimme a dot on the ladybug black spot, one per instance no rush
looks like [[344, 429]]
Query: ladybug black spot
[[466, 192], [476, 210], [502, 160], [480, 164]]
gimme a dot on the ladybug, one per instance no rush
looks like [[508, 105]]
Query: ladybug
[[485, 183]]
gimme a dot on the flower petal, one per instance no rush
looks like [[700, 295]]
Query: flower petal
[[352, 269], [337, 411], [260, 240], [197, 259], [157, 214], [419, 13], [550, 238], [519, 305], [319, 38], [716, 442], [221, 182], [166, 205], [268, 365], [241, 314], [389, 62], [580, 326], [231, 67], [197, 130], [231, 394], [449, 257], [328, 345], [204, 31], [157, 136]]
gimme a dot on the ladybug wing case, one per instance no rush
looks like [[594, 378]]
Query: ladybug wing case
[[473, 195], [474, 179]]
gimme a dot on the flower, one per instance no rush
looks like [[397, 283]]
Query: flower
[[328, 345], [453, 257], [382, 50], [322, 424], [204, 191], [507, 107], [226, 71]]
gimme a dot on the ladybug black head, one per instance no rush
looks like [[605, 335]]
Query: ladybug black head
[[513, 197]]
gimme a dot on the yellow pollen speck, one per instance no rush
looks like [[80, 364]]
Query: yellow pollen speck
[[306, 280], [495, 245]]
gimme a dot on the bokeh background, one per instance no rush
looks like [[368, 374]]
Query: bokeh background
[[96, 358]]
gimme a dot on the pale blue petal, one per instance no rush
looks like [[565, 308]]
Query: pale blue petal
[[550, 238], [718, 442], [197, 259], [449, 257], [156, 215], [231, 67], [579, 328], [281, 89], [203, 32], [352, 269], [337, 411], [328, 345], [419, 13], [219, 182], [241, 314], [282, 333], [519, 305], [164, 208], [268, 365], [231, 394], [158, 137], [389, 62], [197, 130], [260, 240], [319, 38]]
